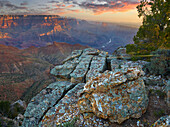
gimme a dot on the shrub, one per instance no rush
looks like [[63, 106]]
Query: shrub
[[159, 64], [5, 108]]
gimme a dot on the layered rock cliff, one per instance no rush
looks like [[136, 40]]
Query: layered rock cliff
[[23, 31]]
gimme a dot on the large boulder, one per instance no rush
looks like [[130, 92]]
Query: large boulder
[[116, 96]]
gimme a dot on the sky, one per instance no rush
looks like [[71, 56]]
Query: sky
[[116, 11]]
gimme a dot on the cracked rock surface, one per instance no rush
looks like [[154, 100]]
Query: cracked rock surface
[[43, 101], [116, 96], [96, 88]]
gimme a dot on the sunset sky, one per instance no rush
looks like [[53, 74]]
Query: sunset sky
[[119, 11]]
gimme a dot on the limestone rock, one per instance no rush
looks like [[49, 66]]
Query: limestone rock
[[74, 54], [64, 71], [98, 65], [80, 65], [90, 51], [113, 96], [65, 110], [116, 96], [162, 122], [167, 88], [121, 53], [43, 101], [81, 70]]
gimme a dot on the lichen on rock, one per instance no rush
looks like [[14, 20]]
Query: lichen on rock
[[115, 96], [162, 122], [98, 90], [43, 101]]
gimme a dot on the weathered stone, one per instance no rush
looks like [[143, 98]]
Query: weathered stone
[[163, 122], [81, 70], [110, 57], [103, 54], [65, 110], [121, 53], [116, 96], [74, 54], [98, 65], [167, 89], [64, 71], [107, 96], [116, 64], [152, 80], [90, 51], [43, 101]]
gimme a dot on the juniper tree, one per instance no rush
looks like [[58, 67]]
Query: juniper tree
[[154, 31]]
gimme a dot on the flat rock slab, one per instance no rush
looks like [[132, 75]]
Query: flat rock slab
[[74, 54], [43, 101], [64, 71], [116, 96], [65, 110], [90, 51], [98, 65], [81, 70]]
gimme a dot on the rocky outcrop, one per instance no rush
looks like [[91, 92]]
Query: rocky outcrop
[[167, 90], [81, 65], [116, 96], [98, 90], [45, 100], [120, 53], [162, 122], [65, 110]]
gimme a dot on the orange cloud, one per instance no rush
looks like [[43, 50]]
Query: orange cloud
[[125, 6]]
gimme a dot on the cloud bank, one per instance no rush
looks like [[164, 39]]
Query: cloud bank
[[96, 7]]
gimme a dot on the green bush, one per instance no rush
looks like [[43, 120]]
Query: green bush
[[5, 108], [10, 111], [159, 113], [159, 64]]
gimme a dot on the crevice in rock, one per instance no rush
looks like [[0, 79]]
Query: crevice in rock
[[62, 96], [88, 69], [108, 65]]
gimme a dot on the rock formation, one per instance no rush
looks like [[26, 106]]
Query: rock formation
[[163, 122], [92, 86]]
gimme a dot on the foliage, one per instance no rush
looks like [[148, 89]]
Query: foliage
[[5, 108], [10, 111], [159, 113], [154, 31], [159, 64], [6, 122]]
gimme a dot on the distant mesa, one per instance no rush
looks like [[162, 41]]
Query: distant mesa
[[38, 30]]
